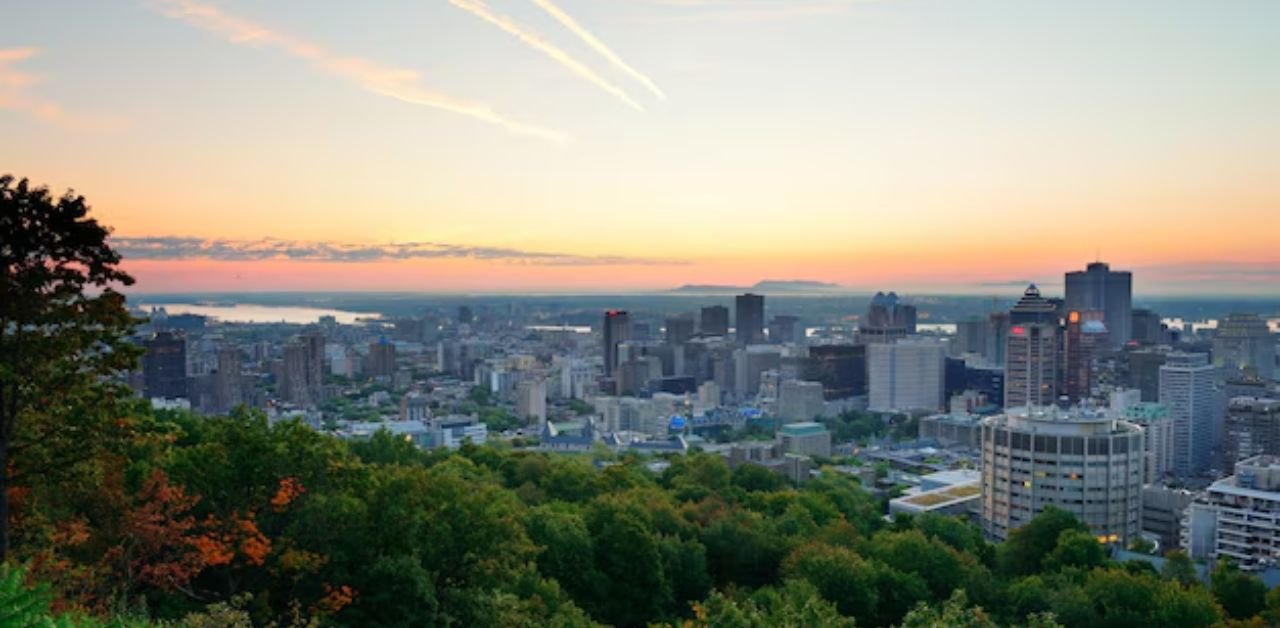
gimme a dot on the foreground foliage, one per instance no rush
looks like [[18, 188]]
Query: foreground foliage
[[234, 521]]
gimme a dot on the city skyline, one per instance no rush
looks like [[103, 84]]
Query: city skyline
[[573, 146]]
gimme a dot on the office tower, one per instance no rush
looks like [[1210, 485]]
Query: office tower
[[955, 378], [1086, 337], [1082, 462], [998, 324], [1252, 429], [751, 362], [1186, 389], [531, 400], [617, 329], [679, 329], [748, 319], [783, 329], [987, 381], [1157, 438], [314, 342], [1100, 289], [1031, 362], [1147, 328], [1235, 519], [1243, 346], [382, 359], [714, 321], [799, 400], [971, 337], [906, 376], [1033, 308], [886, 320], [293, 376], [164, 366], [228, 383], [842, 370], [1142, 371], [465, 316]]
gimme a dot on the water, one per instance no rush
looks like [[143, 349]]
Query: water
[[242, 313]]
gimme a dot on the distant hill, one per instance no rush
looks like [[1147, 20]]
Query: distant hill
[[768, 286]]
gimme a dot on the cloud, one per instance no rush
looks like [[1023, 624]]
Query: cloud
[[16, 95], [182, 247], [591, 40], [537, 42], [392, 82]]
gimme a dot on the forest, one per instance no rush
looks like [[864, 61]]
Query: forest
[[115, 514]]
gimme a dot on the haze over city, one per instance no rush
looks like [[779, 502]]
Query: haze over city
[[614, 146]]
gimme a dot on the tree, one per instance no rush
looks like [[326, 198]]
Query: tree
[[1240, 594], [1179, 568], [1028, 546], [1075, 549], [63, 333]]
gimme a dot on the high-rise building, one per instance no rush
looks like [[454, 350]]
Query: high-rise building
[[531, 400], [998, 324], [1031, 365], [679, 329], [1033, 308], [228, 383], [714, 321], [1086, 337], [1100, 289], [1085, 463], [1186, 389], [381, 360], [886, 320], [799, 400], [971, 337], [1157, 436], [1147, 328], [1236, 518], [1142, 371], [617, 329], [749, 319], [750, 363], [1252, 429], [842, 370], [1244, 346], [906, 376], [294, 387], [783, 329], [164, 366]]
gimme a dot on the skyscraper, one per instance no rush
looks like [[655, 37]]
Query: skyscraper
[[842, 370], [1186, 389], [886, 320], [1086, 336], [1098, 288], [382, 359], [617, 329], [164, 367], [749, 318], [906, 375], [1243, 346], [1031, 361], [783, 329], [714, 321], [679, 329]]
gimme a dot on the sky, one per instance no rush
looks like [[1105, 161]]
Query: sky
[[619, 145]]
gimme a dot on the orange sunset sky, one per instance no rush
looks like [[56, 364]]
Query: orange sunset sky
[[618, 145]]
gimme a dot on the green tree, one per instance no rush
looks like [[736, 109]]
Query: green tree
[[1028, 546], [841, 576], [1075, 549], [1240, 594], [63, 335], [1179, 568]]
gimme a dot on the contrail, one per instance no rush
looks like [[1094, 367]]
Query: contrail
[[568, 22], [534, 40], [398, 83]]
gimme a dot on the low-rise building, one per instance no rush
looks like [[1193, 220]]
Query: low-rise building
[[806, 439]]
